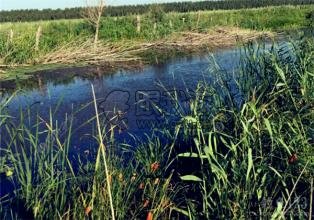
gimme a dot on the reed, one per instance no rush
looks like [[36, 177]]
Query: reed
[[251, 155], [256, 147], [51, 182]]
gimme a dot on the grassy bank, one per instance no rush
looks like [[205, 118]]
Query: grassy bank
[[251, 150], [133, 53], [120, 39]]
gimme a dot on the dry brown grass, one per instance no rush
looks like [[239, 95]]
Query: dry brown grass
[[85, 52], [216, 38], [129, 51]]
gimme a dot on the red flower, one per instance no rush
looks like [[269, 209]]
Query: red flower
[[149, 216], [293, 158], [154, 166], [146, 203], [88, 209], [141, 186]]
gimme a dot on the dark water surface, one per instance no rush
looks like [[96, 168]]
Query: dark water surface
[[127, 96]]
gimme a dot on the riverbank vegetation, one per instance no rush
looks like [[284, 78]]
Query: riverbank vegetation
[[249, 137], [134, 37]]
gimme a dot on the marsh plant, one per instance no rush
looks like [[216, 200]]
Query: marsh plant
[[263, 150], [251, 157]]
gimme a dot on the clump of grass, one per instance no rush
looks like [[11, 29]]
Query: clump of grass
[[254, 158], [51, 182]]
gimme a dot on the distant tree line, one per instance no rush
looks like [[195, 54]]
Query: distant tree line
[[71, 13]]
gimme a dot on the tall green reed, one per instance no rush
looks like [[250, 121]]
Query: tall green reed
[[51, 182], [251, 156]]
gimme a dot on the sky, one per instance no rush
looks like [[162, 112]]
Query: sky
[[40, 4]]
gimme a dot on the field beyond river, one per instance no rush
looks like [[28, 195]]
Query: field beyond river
[[135, 40]]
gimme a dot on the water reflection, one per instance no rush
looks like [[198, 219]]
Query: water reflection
[[126, 96]]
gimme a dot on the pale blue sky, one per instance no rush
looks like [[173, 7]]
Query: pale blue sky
[[40, 4]]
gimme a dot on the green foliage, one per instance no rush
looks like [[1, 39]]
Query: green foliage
[[245, 155], [156, 13], [50, 183], [114, 30], [112, 11], [310, 18], [20, 50]]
